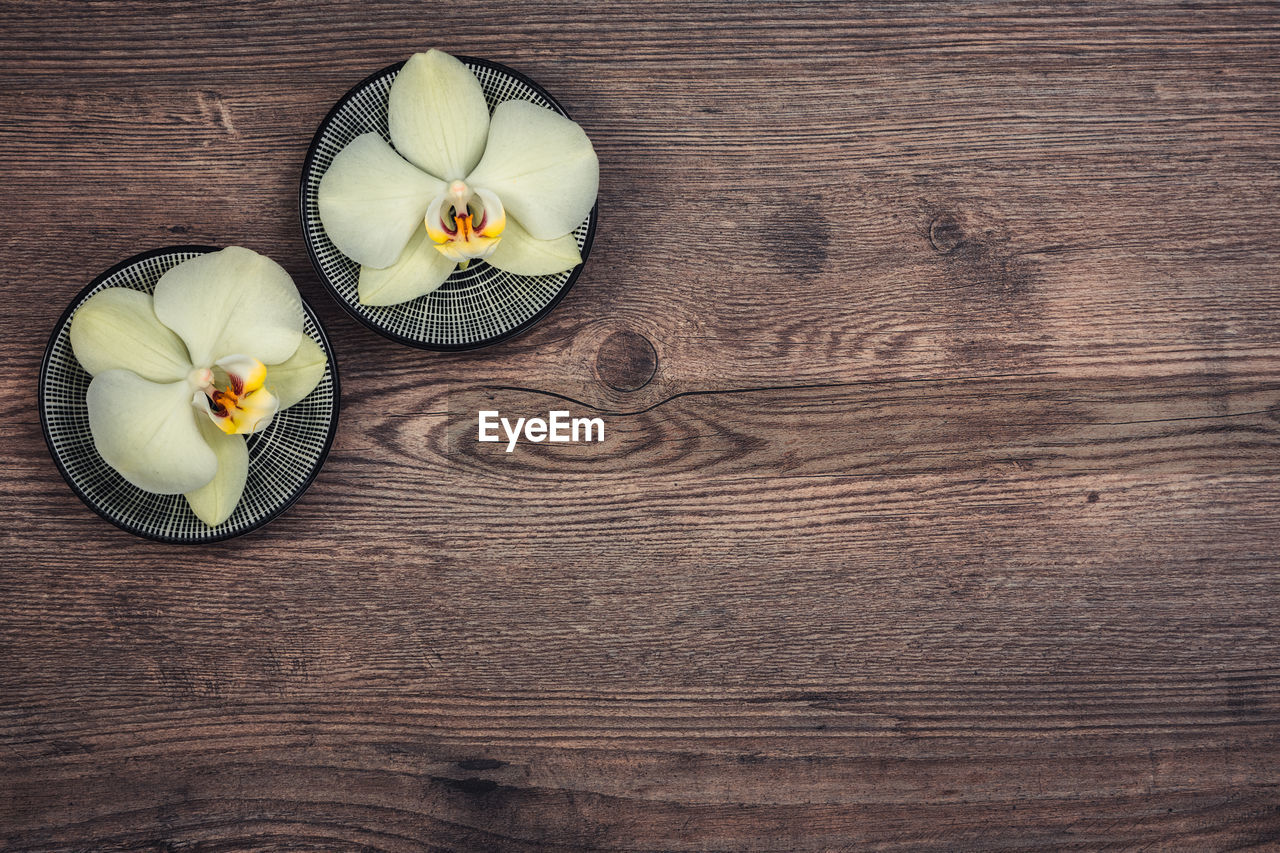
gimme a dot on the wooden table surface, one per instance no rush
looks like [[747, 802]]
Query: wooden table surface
[[938, 354]]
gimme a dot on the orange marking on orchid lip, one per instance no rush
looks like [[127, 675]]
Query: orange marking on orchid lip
[[222, 402], [462, 228], [463, 221], [244, 403]]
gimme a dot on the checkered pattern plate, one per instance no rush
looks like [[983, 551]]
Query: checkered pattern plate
[[477, 307], [283, 459]]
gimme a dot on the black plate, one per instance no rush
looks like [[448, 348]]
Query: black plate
[[475, 308]]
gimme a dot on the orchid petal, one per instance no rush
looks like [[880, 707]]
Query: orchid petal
[[420, 270], [117, 328], [371, 200], [259, 409], [294, 379], [148, 432], [519, 253], [232, 301], [437, 115], [542, 166], [214, 502]]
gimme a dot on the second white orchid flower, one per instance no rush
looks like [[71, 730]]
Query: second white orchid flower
[[508, 189]]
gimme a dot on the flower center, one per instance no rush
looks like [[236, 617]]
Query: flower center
[[465, 223], [243, 405]]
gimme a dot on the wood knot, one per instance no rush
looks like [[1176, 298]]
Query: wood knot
[[945, 234], [626, 361]]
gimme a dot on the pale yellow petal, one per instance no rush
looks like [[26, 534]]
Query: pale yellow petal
[[371, 200], [214, 502], [256, 411], [232, 301], [519, 253], [437, 115], [116, 328], [296, 378], [420, 270], [149, 433], [542, 166]]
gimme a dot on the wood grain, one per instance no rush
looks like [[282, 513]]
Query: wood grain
[[939, 356]]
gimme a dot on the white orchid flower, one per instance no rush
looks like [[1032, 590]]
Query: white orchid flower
[[508, 189], [180, 377]]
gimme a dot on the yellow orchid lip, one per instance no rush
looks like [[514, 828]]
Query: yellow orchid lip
[[244, 406], [465, 223]]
